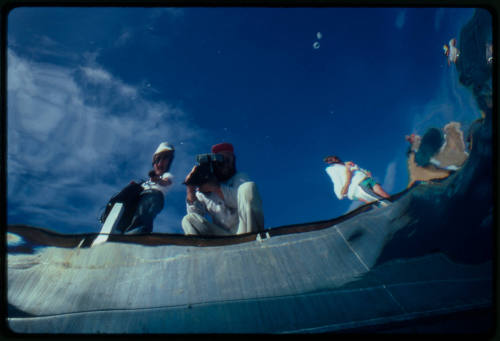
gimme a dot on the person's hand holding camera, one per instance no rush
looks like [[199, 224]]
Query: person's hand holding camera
[[188, 177], [190, 189], [206, 188]]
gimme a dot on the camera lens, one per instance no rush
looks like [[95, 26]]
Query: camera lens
[[202, 158], [218, 157]]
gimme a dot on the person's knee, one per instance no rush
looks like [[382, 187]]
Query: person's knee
[[188, 223], [153, 202], [249, 208]]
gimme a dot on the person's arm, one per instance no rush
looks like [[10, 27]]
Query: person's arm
[[190, 189], [190, 194], [209, 201], [164, 180], [196, 206], [229, 188], [211, 187], [193, 205]]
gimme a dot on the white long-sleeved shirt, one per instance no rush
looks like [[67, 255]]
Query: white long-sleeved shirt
[[156, 186], [224, 212], [337, 173]]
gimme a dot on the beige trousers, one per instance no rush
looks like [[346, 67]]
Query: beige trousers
[[250, 216]]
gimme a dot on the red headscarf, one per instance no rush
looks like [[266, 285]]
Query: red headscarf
[[223, 147]]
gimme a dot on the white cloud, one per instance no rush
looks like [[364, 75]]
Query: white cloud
[[47, 41], [156, 15], [124, 38], [44, 46], [97, 75], [75, 137], [390, 177], [100, 76], [401, 19]]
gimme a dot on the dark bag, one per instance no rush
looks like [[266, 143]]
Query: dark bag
[[129, 196]]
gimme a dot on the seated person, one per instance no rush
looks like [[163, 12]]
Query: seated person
[[232, 201], [151, 198]]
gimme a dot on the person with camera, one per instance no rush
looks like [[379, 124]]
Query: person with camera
[[214, 187], [151, 198]]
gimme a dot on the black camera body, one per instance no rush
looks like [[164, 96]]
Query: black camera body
[[204, 172]]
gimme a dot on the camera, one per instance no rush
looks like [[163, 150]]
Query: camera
[[205, 171], [208, 158]]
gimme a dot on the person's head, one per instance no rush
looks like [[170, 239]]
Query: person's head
[[227, 168], [162, 158], [332, 159]]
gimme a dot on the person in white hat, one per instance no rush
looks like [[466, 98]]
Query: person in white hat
[[151, 199]]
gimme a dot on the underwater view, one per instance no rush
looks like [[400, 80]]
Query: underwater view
[[249, 170]]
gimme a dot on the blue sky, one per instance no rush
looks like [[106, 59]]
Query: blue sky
[[93, 91]]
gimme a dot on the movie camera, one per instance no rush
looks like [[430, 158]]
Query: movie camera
[[204, 172]]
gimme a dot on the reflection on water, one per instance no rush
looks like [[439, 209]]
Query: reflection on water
[[14, 239]]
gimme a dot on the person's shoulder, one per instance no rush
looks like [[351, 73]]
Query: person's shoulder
[[333, 166], [238, 178], [167, 174]]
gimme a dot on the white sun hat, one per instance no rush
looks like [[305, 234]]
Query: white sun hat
[[164, 147]]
